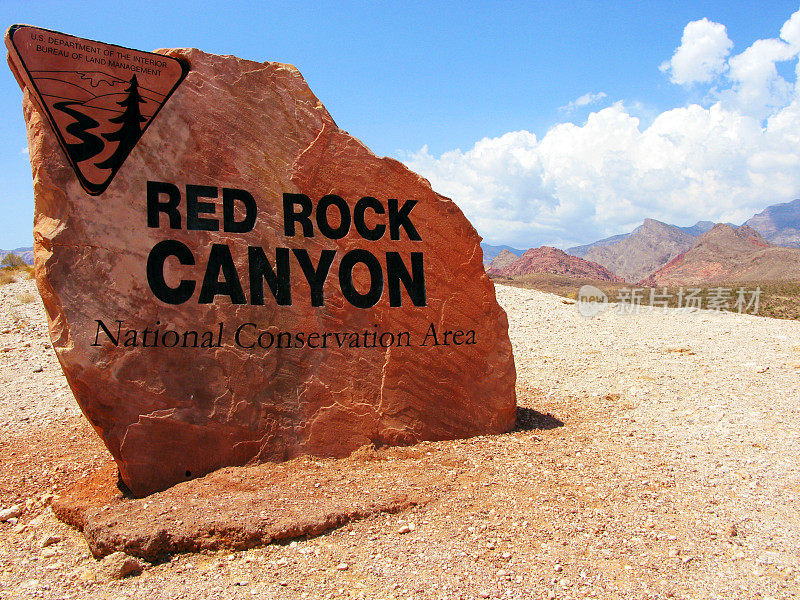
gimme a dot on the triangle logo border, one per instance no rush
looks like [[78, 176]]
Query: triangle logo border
[[25, 79]]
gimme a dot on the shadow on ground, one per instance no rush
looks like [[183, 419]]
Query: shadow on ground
[[530, 420]]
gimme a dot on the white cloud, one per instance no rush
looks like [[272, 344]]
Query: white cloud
[[24, 150], [723, 161], [757, 88], [701, 55], [581, 183], [584, 100], [790, 32]]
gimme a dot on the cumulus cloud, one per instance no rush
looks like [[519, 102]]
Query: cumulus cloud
[[757, 88], [748, 82], [582, 101], [701, 55], [723, 161], [790, 32]]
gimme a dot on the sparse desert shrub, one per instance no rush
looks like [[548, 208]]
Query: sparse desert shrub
[[12, 261], [12, 269]]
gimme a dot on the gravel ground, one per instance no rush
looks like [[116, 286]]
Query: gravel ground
[[656, 457]]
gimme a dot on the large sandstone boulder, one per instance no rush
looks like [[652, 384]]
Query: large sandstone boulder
[[144, 311]]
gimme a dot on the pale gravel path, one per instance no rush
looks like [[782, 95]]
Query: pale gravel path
[[675, 431], [32, 386]]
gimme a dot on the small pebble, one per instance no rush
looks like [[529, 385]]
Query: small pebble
[[118, 565], [342, 567], [49, 540], [10, 512]]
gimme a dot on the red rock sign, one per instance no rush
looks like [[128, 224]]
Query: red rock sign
[[255, 284]]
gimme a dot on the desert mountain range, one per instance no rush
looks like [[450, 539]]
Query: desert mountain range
[[491, 252], [657, 253], [779, 224], [26, 254], [766, 247], [648, 247], [548, 260], [732, 255]]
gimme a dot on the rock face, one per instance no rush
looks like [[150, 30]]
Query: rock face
[[550, 260], [649, 247], [779, 223], [727, 254], [502, 260], [198, 329]]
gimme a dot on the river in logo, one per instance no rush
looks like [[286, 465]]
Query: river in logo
[[592, 301]]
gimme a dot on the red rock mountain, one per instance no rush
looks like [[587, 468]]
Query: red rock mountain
[[649, 247], [502, 260], [729, 254], [549, 260]]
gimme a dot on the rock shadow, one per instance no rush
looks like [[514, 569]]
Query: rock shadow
[[531, 420], [124, 489]]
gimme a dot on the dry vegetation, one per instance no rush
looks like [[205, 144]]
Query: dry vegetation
[[12, 268], [778, 299]]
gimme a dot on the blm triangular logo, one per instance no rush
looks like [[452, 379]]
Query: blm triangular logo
[[99, 98]]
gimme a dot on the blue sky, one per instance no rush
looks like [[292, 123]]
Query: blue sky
[[479, 98]]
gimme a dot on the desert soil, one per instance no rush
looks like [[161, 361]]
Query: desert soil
[[656, 456]]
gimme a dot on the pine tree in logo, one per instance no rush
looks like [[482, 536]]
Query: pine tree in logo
[[130, 130]]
